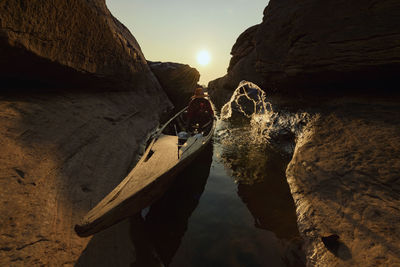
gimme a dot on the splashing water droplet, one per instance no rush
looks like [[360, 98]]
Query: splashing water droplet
[[266, 127], [247, 99]]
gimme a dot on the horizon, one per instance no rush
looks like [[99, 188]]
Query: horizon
[[158, 27]]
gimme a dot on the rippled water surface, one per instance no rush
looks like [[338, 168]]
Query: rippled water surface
[[232, 206]]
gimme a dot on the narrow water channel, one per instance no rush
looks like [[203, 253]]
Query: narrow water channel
[[231, 207]]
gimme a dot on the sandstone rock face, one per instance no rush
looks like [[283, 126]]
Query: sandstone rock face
[[344, 178], [344, 174], [178, 80], [77, 99], [61, 154], [74, 42], [319, 45]]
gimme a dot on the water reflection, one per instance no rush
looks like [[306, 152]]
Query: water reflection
[[158, 235], [259, 173], [262, 186], [246, 215], [271, 205], [269, 209]]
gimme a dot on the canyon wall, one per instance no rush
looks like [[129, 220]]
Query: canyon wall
[[318, 47], [77, 99], [74, 44], [178, 80], [339, 61]]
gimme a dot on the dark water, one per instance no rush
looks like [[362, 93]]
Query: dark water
[[232, 207]]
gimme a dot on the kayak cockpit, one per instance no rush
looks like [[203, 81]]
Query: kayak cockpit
[[164, 157]]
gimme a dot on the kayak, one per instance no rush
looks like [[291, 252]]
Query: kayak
[[171, 149]]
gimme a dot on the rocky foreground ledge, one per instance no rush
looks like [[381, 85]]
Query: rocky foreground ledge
[[60, 155], [345, 171], [345, 181], [77, 99]]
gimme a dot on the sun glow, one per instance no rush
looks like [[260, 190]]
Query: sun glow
[[203, 57]]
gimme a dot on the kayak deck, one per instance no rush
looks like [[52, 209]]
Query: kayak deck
[[152, 175], [162, 157]]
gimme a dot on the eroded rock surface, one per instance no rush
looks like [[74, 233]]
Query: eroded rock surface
[[178, 80], [344, 175], [60, 155], [345, 181], [77, 100], [318, 46], [68, 42]]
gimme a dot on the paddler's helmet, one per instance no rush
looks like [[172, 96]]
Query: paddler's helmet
[[199, 93]]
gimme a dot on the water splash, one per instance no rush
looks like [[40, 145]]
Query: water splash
[[247, 99], [277, 128], [252, 133]]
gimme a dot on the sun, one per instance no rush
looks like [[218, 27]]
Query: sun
[[203, 57]]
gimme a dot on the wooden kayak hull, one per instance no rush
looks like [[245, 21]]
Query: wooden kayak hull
[[106, 213]]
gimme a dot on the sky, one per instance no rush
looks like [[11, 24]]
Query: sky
[[177, 30]]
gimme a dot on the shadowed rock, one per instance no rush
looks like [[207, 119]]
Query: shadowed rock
[[69, 43], [77, 99], [317, 46], [344, 174], [331, 242], [178, 80]]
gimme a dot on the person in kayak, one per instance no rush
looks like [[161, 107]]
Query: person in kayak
[[199, 110]]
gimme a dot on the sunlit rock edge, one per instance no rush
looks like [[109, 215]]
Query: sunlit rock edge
[[343, 174], [345, 167], [61, 154], [344, 178], [78, 100]]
